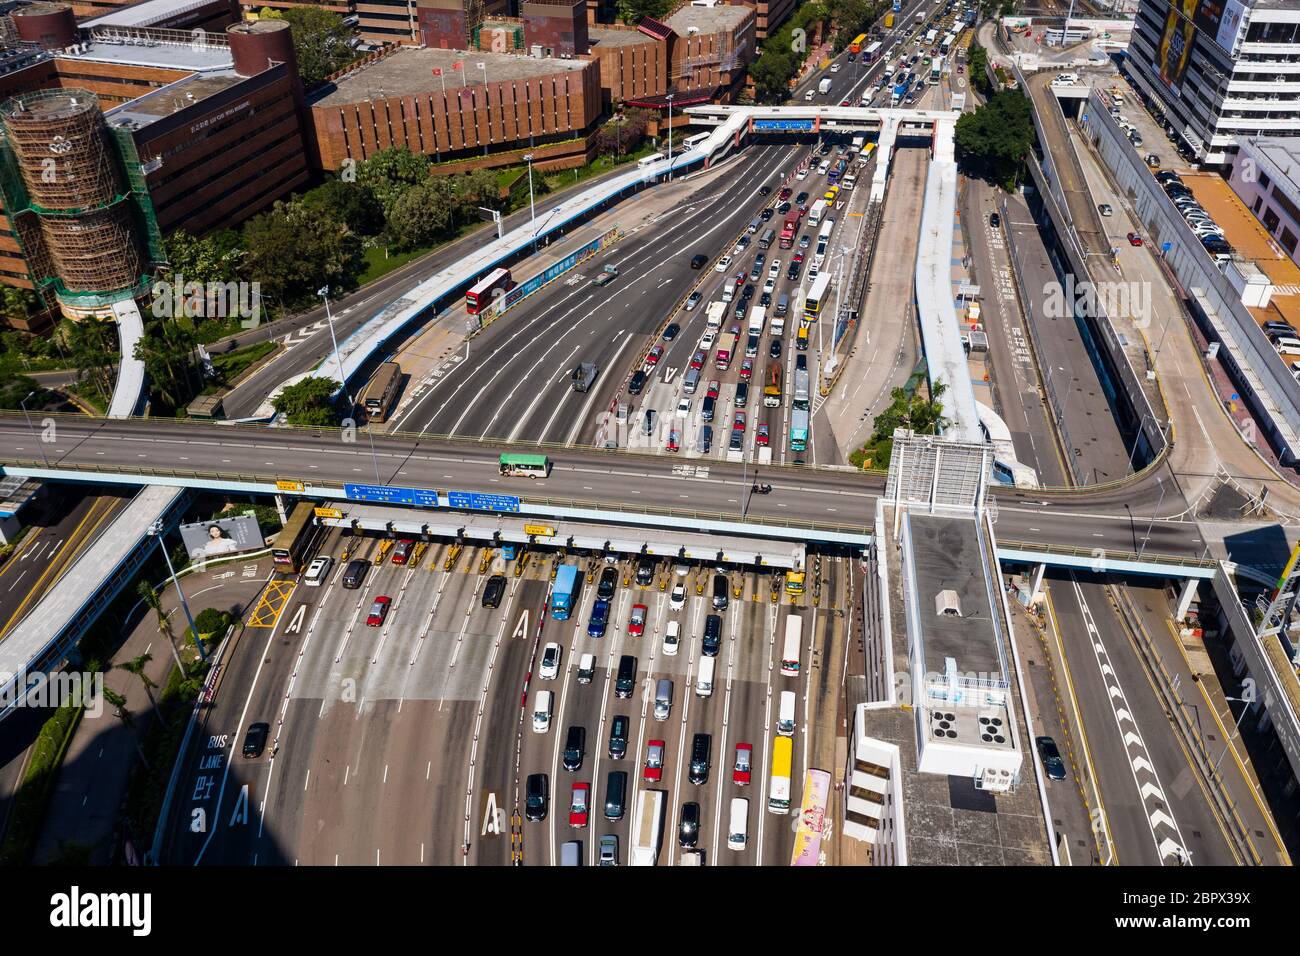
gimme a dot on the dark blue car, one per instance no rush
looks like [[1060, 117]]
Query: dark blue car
[[599, 619]]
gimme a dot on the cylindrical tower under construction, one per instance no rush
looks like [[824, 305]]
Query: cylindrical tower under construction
[[74, 186]]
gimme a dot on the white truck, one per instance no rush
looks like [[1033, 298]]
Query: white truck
[[757, 317], [778, 325], [713, 316], [824, 86], [646, 828], [816, 212]]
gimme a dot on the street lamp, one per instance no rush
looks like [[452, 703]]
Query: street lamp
[[39, 444], [528, 158], [1142, 545], [670, 136], [156, 531], [1235, 727], [324, 293]]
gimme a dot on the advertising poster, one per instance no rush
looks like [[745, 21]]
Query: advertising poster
[[1176, 41], [205, 540]]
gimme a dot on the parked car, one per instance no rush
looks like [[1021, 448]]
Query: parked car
[[1052, 762]]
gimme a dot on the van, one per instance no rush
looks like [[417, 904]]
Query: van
[[705, 441], [704, 680], [542, 711], [783, 303], [720, 596], [618, 731], [586, 668], [663, 698], [785, 716], [571, 853], [317, 572], [537, 796], [626, 678], [701, 745], [707, 409], [648, 422], [575, 746], [691, 382], [738, 828], [354, 574], [768, 238], [742, 394], [624, 410], [1287, 346], [754, 226], [712, 635], [615, 794]]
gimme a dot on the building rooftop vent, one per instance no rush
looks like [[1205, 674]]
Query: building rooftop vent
[[947, 603]]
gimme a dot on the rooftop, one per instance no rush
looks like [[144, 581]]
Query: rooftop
[[144, 14], [410, 70], [708, 19], [173, 98], [607, 37], [106, 47]]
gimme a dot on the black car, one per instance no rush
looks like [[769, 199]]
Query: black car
[[538, 797], [747, 292], [774, 350], [255, 739], [645, 571], [575, 745], [712, 635], [759, 260], [742, 394], [765, 299], [766, 214], [737, 442], [700, 747], [698, 262], [801, 363], [494, 590], [800, 199], [706, 439], [851, 57], [688, 830], [618, 737], [764, 190], [783, 208], [995, 220], [636, 382], [608, 582], [792, 274], [670, 333], [1052, 761]]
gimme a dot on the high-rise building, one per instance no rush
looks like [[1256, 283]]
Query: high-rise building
[[1219, 69]]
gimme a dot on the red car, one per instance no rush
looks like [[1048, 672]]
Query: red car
[[746, 369], [378, 610], [1134, 239], [655, 355], [674, 440], [785, 193], [402, 550], [697, 360], [844, 102], [654, 761], [761, 437], [580, 805], [739, 423], [636, 625], [740, 771], [713, 385], [798, 259]]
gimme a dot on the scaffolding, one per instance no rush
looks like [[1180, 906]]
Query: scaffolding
[[59, 166]]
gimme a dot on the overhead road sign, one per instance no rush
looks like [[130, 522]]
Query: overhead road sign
[[392, 495], [286, 484], [474, 501]]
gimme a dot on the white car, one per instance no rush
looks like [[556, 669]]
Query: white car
[[708, 339], [835, 67], [801, 175], [824, 168], [671, 639], [682, 569], [769, 286], [550, 661], [774, 269], [723, 264], [677, 599], [684, 408]]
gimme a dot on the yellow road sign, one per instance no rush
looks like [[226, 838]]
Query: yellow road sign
[[286, 484], [328, 513], [543, 530]]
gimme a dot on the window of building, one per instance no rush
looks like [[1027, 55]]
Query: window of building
[[1264, 181], [1270, 220], [1288, 240]]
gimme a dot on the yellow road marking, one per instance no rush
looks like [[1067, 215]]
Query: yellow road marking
[[272, 602]]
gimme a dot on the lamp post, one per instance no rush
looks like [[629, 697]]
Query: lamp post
[[324, 293], [670, 136], [156, 531], [1142, 545], [528, 158], [27, 416], [1235, 727]]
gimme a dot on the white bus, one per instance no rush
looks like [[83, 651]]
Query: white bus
[[690, 142], [793, 641], [649, 161]]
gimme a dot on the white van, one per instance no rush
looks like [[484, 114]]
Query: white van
[[586, 668], [704, 680], [571, 853], [317, 572], [663, 699], [738, 828], [672, 638], [542, 711], [784, 720]]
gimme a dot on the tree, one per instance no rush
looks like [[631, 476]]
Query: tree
[[18, 303], [632, 11], [771, 73], [977, 60], [153, 601], [136, 666], [308, 402], [167, 351], [993, 140], [478, 188], [92, 353], [322, 43], [421, 214], [212, 258], [623, 134], [14, 391], [294, 250], [390, 172], [352, 203]]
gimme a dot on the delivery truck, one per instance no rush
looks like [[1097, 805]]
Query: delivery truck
[[564, 592], [647, 827]]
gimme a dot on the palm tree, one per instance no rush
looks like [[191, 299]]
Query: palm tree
[[128, 721], [136, 666], [152, 600]]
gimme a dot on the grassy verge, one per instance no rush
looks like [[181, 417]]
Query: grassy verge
[[87, 395], [233, 364], [33, 796]]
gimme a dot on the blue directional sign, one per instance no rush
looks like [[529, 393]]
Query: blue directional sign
[[784, 126], [898, 5], [392, 495], [474, 501]]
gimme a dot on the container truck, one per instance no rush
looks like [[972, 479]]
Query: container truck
[[647, 827], [564, 592], [824, 86]]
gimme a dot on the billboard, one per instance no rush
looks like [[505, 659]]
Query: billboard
[[1175, 50], [812, 819], [205, 540]]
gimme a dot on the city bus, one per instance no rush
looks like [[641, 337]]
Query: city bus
[[524, 466], [288, 554], [867, 151], [772, 386], [378, 396], [812, 819], [856, 45], [778, 800], [812, 303], [648, 161], [872, 52], [690, 142], [479, 297], [793, 641]]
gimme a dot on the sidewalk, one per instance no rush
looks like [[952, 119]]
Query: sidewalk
[[84, 807]]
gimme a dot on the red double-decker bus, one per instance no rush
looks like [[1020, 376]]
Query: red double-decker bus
[[479, 296], [787, 234]]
